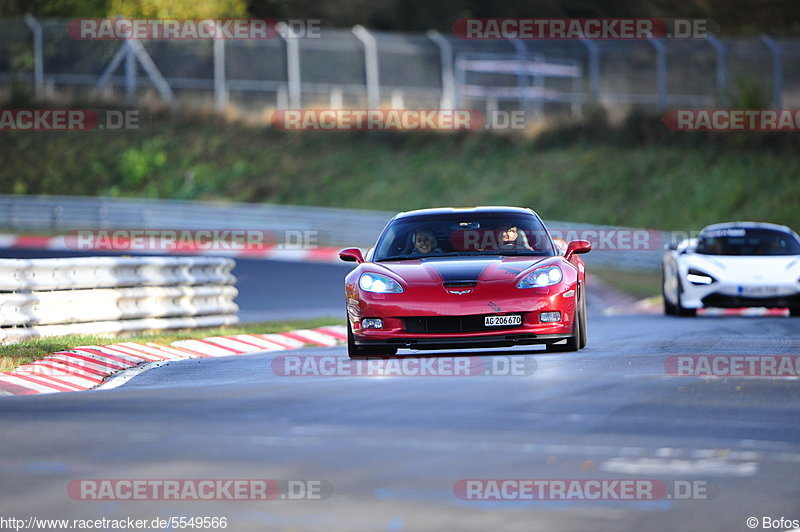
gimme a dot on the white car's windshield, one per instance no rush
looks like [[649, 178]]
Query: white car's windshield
[[747, 241]]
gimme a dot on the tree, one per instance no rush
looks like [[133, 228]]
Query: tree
[[178, 9]]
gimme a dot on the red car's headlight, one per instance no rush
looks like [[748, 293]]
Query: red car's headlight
[[540, 277], [381, 284]]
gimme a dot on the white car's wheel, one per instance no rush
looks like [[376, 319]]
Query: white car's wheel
[[669, 308], [680, 309]]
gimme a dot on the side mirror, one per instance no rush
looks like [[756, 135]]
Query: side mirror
[[672, 246], [351, 255], [576, 247]]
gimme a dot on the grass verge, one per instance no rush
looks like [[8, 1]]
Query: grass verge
[[638, 174], [635, 283], [14, 355]]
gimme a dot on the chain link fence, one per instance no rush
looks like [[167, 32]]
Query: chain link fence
[[361, 68]]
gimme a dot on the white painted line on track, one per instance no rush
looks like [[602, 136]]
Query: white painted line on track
[[674, 466]]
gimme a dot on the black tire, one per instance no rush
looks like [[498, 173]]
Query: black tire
[[794, 312], [578, 338], [354, 351], [669, 308], [584, 331], [680, 309]]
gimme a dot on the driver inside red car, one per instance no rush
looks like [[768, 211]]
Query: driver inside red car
[[513, 238], [425, 242], [510, 238]]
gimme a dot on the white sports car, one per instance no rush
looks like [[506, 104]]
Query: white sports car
[[732, 265]]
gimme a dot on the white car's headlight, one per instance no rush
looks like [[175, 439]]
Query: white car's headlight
[[373, 282], [697, 277], [541, 277]]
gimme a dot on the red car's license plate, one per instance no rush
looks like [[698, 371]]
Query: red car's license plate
[[497, 321]]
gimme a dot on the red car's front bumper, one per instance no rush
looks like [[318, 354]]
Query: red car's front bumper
[[459, 317]]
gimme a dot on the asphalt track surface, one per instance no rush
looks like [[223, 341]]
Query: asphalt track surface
[[392, 448]]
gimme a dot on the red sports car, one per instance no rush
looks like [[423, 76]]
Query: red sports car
[[462, 278]]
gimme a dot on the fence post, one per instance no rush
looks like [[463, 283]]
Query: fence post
[[491, 107], [522, 76], [130, 75], [111, 67], [661, 71], [337, 98], [576, 107], [777, 69], [282, 98], [459, 80], [398, 99], [135, 48], [220, 87], [448, 100], [721, 74], [370, 64], [38, 58], [594, 67], [292, 64]]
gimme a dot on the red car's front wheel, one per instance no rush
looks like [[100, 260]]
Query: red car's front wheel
[[355, 351], [579, 337]]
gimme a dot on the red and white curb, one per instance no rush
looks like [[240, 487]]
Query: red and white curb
[[743, 312], [87, 367], [60, 243], [650, 305], [654, 305]]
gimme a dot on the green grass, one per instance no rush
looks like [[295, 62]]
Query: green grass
[[639, 284], [635, 174], [14, 355]]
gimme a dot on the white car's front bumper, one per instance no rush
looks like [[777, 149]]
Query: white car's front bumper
[[732, 294]]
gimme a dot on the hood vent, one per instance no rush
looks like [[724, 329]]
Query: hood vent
[[460, 284]]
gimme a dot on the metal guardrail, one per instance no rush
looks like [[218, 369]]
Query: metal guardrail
[[617, 247], [64, 213], [107, 295], [333, 227]]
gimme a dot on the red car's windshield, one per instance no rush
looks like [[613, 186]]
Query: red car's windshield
[[463, 234]]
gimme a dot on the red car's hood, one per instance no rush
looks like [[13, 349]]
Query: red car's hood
[[465, 269]]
